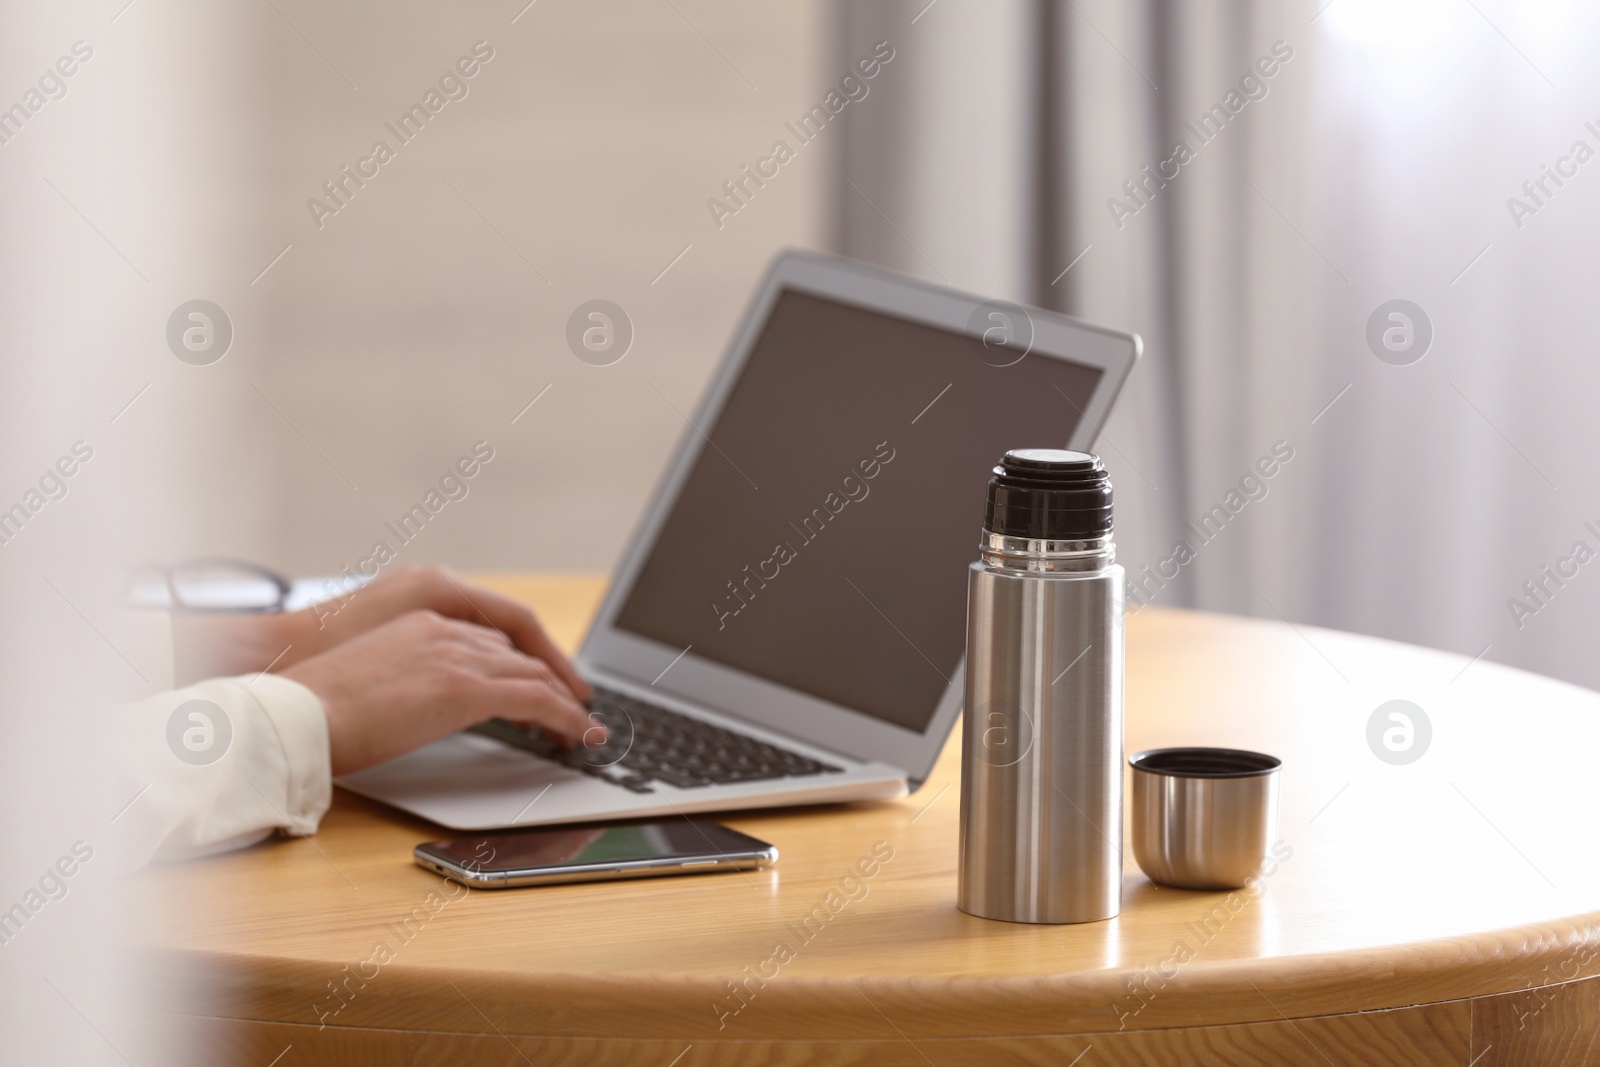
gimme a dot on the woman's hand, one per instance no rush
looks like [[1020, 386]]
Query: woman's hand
[[209, 646], [421, 676]]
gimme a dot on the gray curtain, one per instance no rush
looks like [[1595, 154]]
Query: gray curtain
[[1329, 167], [987, 161]]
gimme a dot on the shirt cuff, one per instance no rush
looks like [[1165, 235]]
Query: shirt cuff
[[302, 728]]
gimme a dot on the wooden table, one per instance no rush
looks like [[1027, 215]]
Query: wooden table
[[1446, 911]]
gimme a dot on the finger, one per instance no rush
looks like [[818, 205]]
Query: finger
[[473, 635], [497, 655], [524, 628], [517, 621], [537, 703], [594, 734], [507, 662], [488, 653]]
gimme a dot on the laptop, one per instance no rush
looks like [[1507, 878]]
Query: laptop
[[788, 622]]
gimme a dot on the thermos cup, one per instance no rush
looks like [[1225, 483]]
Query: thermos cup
[[1204, 818], [1041, 759]]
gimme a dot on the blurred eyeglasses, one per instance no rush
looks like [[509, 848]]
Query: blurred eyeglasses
[[212, 585]]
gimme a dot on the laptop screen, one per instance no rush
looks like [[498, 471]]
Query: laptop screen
[[821, 539]]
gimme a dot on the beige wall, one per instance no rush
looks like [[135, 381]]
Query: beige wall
[[406, 327]]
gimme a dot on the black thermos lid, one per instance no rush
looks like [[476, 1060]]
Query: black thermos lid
[[1049, 494]]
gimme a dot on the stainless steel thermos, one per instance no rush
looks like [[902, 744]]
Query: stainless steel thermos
[[1041, 759]]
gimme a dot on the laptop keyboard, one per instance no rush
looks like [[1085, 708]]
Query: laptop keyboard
[[646, 744]]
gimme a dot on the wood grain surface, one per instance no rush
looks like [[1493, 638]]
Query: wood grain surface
[[1431, 912]]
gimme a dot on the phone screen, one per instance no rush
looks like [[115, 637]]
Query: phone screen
[[582, 846]]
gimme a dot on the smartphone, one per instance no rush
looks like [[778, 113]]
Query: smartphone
[[594, 854]]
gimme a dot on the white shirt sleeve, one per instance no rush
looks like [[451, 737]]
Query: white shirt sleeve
[[226, 762]]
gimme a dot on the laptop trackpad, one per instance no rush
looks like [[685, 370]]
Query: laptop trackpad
[[463, 764]]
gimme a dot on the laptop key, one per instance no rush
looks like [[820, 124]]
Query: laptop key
[[682, 781], [647, 743]]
